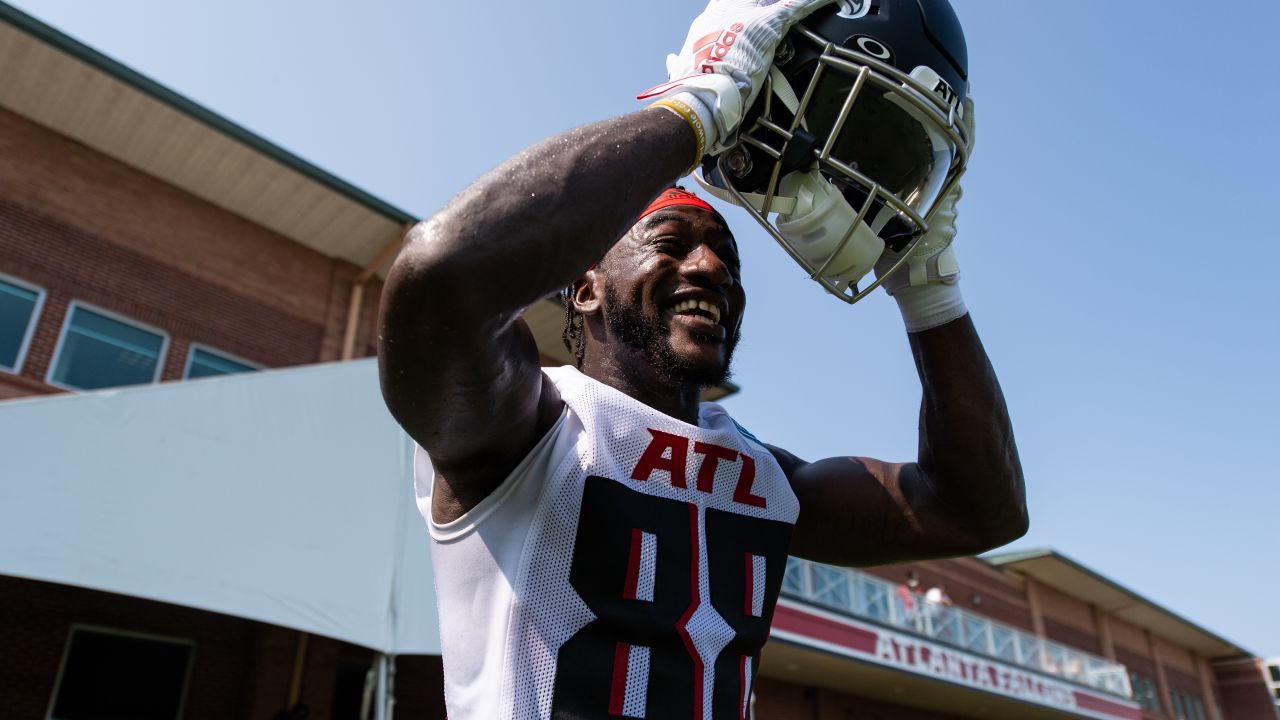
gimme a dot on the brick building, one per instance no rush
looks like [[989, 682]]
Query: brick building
[[1273, 678], [145, 239]]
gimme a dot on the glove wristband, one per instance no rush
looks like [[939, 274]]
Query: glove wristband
[[687, 106], [928, 306]]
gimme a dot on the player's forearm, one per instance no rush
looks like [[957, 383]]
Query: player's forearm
[[966, 440], [539, 220]]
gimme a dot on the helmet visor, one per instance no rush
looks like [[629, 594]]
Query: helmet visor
[[885, 138]]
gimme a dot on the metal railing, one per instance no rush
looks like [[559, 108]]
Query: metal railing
[[863, 595]]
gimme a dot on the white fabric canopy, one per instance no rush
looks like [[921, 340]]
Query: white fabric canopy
[[282, 496]]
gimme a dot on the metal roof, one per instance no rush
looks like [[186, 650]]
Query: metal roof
[[1061, 573]]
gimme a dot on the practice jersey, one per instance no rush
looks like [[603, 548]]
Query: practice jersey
[[628, 567]]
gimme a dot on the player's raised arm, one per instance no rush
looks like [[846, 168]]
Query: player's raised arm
[[964, 494], [459, 370]]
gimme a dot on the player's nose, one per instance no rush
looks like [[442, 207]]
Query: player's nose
[[703, 262]]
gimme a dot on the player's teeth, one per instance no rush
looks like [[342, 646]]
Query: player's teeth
[[706, 307]]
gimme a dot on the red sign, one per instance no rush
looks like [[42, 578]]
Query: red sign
[[808, 625]]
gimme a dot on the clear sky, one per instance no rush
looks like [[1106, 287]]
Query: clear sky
[[1117, 235]]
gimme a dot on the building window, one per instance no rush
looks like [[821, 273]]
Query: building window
[[1145, 693], [100, 349], [1273, 670], [114, 674], [1186, 706], [19, 307], [203, 362]]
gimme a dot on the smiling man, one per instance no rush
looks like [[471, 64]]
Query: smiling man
[[687, 338], [605, 545]]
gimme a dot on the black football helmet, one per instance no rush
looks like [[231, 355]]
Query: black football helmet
[[856, 135]]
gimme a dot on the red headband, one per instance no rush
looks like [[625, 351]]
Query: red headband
[[668, 198], [674, 196]]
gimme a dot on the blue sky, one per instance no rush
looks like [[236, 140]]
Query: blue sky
[[1116, 236]]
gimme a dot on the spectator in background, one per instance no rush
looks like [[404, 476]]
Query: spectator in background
[[907, 600]]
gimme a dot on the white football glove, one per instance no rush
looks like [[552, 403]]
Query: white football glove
[[724, 61], [926, 288]]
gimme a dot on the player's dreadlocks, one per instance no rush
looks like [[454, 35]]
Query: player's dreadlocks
[[572, 335]]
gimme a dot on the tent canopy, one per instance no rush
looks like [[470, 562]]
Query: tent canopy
[[283, 496]]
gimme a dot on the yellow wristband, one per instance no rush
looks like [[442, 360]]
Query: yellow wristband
[[684, 110]]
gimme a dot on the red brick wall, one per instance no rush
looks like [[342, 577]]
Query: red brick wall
[[84, 226], [1072, 636], [1244, 691], [777, 700], [1128, 638], [39, 617], [240, 668]]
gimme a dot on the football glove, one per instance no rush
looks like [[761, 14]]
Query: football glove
[[723, 63], [926, 287]]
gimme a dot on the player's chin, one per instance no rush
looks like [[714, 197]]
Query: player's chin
[[704, 356]]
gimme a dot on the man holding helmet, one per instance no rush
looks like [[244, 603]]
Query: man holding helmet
[[606, 545]]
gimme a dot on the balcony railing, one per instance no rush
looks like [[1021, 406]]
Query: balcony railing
[[870, 597]]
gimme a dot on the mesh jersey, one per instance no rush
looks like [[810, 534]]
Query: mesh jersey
[[628, 567]]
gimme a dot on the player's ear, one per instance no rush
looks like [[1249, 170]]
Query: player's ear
[[588, 292]]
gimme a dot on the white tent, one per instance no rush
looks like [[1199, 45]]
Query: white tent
[[283, 496]]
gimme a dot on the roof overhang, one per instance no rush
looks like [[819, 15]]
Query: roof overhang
[[78, 92], [1061, 573]]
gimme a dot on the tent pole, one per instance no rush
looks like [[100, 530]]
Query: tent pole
[[299, 667], [380, 692], [391, 686]]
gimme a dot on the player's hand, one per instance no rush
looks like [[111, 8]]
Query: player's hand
[[925, 287], [725, 59], [934, 260]]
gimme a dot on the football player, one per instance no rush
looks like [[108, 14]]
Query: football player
[[605, 545]]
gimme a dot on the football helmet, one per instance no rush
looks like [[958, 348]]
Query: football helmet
[[855, 137]]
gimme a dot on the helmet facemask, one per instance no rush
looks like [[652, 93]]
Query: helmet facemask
[[855, 164]]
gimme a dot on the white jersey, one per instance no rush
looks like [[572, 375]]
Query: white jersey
[[628, 567]]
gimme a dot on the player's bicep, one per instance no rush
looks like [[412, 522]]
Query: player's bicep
[[460, 396], [468, 389], [861, 511]]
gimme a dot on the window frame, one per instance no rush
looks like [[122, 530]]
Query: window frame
[[32, 322], [191, 356], [161, 360], [120, 632]]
